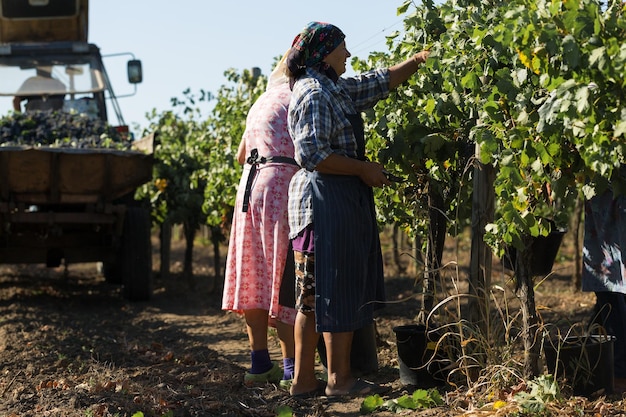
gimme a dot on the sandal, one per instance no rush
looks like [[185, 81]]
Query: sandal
[[317, 392], [361, 388], [285, 384], [273, 375]]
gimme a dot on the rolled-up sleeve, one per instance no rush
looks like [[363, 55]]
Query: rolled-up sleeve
[[368, 88]]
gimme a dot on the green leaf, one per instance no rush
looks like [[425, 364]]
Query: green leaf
[[520, 76], [402, 9], [554, 148], [620, 128], [432, 143], [589, 191], [533, 227], [524, 158], [543, 390], [435, 397], [421, 397], [597, 58], [392, 405], [582, 99], [470, 80], [406, 401], [492, 108], [571, 52], [284, 411], [371, 403]]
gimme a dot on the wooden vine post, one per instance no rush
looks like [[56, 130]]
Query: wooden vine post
[[483, 208]]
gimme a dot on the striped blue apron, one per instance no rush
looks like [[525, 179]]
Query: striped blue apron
[[349, 281]]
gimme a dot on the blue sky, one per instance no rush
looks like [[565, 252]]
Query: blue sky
[[190, 43]]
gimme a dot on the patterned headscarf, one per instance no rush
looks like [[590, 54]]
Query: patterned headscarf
[[312, 45]]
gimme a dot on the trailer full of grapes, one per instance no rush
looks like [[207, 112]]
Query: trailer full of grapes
[[68, 175]]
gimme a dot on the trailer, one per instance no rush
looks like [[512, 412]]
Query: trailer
[[68, 175]]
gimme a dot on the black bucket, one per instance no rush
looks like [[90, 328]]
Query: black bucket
[[586, 362], [415, 349], [544, 248], [364, 353]]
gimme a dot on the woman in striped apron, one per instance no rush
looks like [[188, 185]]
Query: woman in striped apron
[[331, 206]]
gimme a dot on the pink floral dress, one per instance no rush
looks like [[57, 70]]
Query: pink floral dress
[[259, 237]]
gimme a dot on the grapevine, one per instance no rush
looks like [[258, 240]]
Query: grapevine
[[536, 86]]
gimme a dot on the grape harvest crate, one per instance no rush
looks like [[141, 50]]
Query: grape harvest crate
[[44, 176], [76, 206]]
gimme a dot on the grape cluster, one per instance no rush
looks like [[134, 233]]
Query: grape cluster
[[60, 130]]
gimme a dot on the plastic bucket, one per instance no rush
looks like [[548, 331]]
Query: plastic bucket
[[415, 349], [585, 361], [544, 248]]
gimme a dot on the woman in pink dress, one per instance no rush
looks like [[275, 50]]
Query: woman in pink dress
[[259, 238]]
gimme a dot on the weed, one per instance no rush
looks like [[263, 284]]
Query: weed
[[421, 399], [284, 411], [543, 390]]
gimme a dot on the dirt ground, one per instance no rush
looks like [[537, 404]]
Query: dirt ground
[[71, 346]]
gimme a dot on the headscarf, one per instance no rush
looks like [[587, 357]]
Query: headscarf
[[312, 45], [279, 74]]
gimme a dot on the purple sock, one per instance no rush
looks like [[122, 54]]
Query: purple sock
[[288, 365], [261, 361]]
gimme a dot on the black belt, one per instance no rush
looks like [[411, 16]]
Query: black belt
[[255, 161]]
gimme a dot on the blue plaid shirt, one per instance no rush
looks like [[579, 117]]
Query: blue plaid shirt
[[318, 126]]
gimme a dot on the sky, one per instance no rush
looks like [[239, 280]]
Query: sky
[[191, 43]]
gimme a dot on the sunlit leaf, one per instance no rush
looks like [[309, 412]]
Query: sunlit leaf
[[499, 404], [284, 411], [371, 403]]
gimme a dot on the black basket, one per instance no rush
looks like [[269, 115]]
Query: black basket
[[585, 361], [544, 248], [420, 363]]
